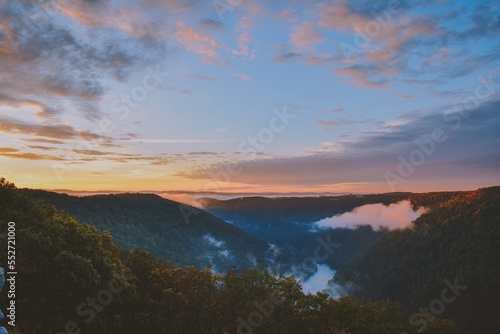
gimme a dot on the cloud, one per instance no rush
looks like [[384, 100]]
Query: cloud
[[366, 158], [92, 152], [59, 63], [43, 148], [43, 140], [326, 123], [304, 36], [344, 121], [57, 131], [94, 13], [243, 28], [381, 45], [363, 75], [394, 216], [244, 77], [201, 77], [336, 110], [203, 153], [199, 43], [42, 110], [177, 141], [30, 156], [211, 24], [8, 150], [483, 22], [177, 7], [286, 15], [285, 54]]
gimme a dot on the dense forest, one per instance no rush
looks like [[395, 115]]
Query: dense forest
[[77, 280], [266, 218], [74, 278], [182, 234], [179, 233], [287, 222], [458, 242]]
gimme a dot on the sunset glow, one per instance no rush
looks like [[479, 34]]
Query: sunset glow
[[278, 96]]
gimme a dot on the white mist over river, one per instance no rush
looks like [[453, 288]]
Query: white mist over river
[[320, 282]]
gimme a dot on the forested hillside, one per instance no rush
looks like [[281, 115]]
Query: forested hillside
[[182, 234], [71, 278], [267, 217], [457, 241], [287, 222]]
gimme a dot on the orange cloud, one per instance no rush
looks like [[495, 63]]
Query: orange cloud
[[30, 156], [43, 110], [8, 150], [58, 131]]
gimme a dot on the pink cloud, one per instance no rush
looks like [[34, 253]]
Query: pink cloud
[[336, 110], [378, 44], [94, 14], [286, 15], [198, 43], [326, 123], [360, 76], [395, 216], [304, 36], [244, 39]]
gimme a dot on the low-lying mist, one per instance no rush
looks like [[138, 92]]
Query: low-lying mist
[[394, 216]]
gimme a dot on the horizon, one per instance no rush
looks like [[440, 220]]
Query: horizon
[[236, 194], [315, 97]]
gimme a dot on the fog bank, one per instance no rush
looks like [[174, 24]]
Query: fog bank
[[396, 215]]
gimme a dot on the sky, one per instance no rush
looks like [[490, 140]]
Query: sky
[[250, 96]]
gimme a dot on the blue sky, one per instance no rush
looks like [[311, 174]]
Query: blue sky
[[167, 95]]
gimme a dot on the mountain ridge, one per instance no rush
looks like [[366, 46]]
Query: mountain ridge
[[159, 226]]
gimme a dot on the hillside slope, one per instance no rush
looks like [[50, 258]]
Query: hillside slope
[[287, 222], [457, 241], [72, 279], [269, 218], [159, 226]]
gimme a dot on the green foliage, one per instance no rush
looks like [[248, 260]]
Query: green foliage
[[158, 226], [266, 218], [63, 262], [458, 239], [287, 223], [60, 262]]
